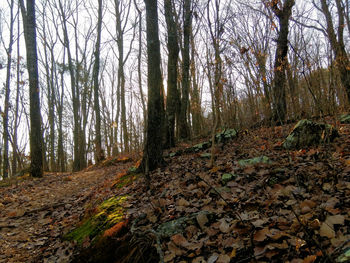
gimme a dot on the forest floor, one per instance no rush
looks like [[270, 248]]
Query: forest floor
[[35, 213], [295, 208]]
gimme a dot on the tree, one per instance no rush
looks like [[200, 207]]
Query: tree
[[184, 130], [99, 155], [337, 42], [7, 94], [121, 9], [283, 11], [153, 151], [15, 157], [77, 162], [172, 100], [29, 25]]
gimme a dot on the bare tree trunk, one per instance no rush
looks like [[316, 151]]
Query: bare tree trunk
[[99, 154], [152, 154], [29, 25], [5, 171], [173, 100], [50, 93], [338, 46], [14, 144], [139, 73], [195, 95], [279, 87], [76, 130], [184, 130]]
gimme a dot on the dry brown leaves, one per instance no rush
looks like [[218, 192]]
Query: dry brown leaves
[[293, 210]]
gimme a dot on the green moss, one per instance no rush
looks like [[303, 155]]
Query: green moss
[[253, 161], [109, 213], [126, 180], [225, 178], [345, 118], [307, 133]]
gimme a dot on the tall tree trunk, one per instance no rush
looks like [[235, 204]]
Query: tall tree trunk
[[121, 75], [99, 155], [184, 130], [173, 99], [152, 154], [76, 129], [60, 146], [50, 95], [139, 73], [5, 167], [29, 25], [337, 45], [14, 143], [279, 86], [195, 95]]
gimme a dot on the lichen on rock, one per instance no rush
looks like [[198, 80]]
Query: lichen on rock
[[307, 133]]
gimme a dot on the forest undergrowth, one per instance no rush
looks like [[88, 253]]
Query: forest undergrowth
[[293, 206]]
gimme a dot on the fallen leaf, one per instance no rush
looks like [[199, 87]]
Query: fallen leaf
[[259, 222], [214, 169], [326, 231], [183, 202], [179, 240], [174, 249], [202, 219], [315, 224], [338, 241], [261, 235], [306, 206], [335, 220], [299, 243], [233, 253], [213, 258], [224, 226], [259, 251], [223, 259], [310, 259], [169, 257], [327, 187], [198, 260]]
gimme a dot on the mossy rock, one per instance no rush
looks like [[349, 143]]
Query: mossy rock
[[225, 178], [108, 214], [345, 119], [220, 137], [225, 135], [307, 133], [345, 257], [133, 169], [125, 179], [253, 161], [205, 155], [178, 226], [201, 146]]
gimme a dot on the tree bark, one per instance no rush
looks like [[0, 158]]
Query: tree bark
[[5, 170], [29, 25], [172, 100], [279, 87], [184, 130], [15, 157], [99, 154], [152, 154], [139, 73], [121, 75], [337, 44]]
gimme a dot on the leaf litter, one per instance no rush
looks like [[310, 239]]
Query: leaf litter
[[292, 208]]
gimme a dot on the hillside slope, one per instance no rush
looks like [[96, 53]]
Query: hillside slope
[[282, 206]]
